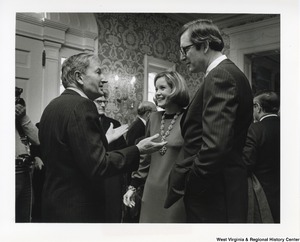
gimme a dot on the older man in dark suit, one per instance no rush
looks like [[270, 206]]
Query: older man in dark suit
[[74, 147], [213, 176], [262, 157]]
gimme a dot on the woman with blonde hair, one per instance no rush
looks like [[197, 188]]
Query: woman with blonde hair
[[172, 96]]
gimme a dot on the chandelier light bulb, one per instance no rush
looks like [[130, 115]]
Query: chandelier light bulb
[[133, 80]]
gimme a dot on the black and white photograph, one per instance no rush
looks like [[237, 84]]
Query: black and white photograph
[[150, 122]]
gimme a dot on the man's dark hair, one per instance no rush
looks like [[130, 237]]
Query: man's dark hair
[[204, 30], [145, 107], [268, 100]]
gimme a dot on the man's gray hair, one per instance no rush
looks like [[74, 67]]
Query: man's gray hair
[[79, 62]]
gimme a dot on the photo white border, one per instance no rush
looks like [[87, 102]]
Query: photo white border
[[290, 119]]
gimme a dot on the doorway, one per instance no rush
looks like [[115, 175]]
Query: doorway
[[265, 70]]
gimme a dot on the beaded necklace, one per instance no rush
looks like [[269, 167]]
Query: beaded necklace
[[164, 134]]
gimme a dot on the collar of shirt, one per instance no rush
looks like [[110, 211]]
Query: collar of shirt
[[144, 121], [215, 63], [81, 93], [268, 115]]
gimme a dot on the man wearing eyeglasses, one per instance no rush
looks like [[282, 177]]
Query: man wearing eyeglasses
[[114, 186], [212, 176]]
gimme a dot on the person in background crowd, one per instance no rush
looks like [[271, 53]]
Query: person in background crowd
[[136, 131], [138, 127], [115, 185], [212, 177], [26, 135], [262, 157], [74, 147], [171, 95], [37, 183]]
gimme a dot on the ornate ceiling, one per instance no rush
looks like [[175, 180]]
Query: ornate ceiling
[[222, 20]]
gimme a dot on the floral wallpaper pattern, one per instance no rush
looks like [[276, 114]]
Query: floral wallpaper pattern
[[124, 39]]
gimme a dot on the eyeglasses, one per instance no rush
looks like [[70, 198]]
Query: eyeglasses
[[185, 49], [102, 101]]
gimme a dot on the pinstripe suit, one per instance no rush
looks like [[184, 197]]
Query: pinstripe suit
[[214, 129], [73, 147]]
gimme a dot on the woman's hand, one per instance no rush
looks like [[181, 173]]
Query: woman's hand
[[129, 197]]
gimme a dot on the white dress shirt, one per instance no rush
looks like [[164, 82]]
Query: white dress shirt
[[215, 63]]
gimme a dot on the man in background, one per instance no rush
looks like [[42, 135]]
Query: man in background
[[136, 132], [138, 126], [262, 157], [114, 186], [26, 135]]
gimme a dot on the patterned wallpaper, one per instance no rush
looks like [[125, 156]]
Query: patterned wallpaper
[[124, 39]]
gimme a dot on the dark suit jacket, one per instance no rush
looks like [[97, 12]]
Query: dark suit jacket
[[119, 143], [135, 131], [214, 128], [262, 156], [115, 185], [74, 150]]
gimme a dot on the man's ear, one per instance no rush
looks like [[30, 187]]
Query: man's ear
[[78, 77], [147, 114], [259, 109]]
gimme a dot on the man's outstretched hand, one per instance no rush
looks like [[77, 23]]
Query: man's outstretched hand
[[113, 134], [147, 146]]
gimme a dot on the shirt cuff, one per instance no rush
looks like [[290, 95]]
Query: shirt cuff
[[25, 120]]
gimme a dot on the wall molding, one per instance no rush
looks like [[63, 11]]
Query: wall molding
[[51, 30], [272, 22], [253, 37]]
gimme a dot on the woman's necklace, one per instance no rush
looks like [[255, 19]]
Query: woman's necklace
[[164, 134]]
